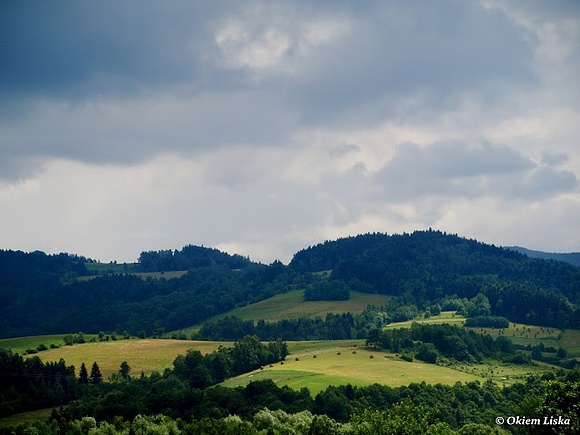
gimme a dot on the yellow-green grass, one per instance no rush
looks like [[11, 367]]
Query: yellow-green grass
[[522, 334], [518, 333], [143, 275], [145, 356], [26, 417], [504, 373], [450, 317], [291, 305], [21, 344], [571, 342], [157, 275], [329, 368]]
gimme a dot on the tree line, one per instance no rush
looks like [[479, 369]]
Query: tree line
[[263, 406], [42, 294]]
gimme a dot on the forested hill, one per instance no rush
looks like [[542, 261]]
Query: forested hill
[[430, 266], [45, 294], [41, 294], [189, 257]]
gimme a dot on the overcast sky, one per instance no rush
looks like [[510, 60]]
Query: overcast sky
[[261, 128]]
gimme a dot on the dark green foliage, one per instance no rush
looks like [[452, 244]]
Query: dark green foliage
[[189, 257], [83, 375], [426, 269], [333, 290], [426, 352], [95, 377], [27, 384], [487, 322], [332, 327], [427, 341], [562, 399], [431, 266], [137, 306]]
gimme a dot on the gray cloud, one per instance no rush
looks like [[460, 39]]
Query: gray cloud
[[450, 169], [269, 126]]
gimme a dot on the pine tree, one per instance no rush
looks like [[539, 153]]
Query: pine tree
[[96, 377], [83, 375]]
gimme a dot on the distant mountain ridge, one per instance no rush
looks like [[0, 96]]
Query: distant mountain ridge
[[570, 257]]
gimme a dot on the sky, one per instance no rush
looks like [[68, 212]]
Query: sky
[[264, 127]]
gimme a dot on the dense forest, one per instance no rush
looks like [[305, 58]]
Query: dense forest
[[425, 270], [426, 267]]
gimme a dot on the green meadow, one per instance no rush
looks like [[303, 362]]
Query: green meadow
[[145, 356], [317, 368], [21, 344], [291, 305], [450, 317]]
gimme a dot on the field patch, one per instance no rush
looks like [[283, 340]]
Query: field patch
[[21, 344], [354, 365], [145, 356], [26, 417], [291, 305], [450, 317]]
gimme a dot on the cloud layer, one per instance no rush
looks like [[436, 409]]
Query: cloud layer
[[262, 127]]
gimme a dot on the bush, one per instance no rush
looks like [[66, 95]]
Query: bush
[[335, 290], [487, 322]]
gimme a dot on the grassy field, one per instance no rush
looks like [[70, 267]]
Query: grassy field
[[157, 275], [21, 344], [291, 305], [445, 317], [111, 267], [354, 365], [26, 417], [146, 356], [518, 333], [130, 268]]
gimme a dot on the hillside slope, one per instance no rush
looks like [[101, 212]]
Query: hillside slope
[[42, 294], [428, 267]]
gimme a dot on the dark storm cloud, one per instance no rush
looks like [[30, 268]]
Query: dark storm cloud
[[455, 169], [70, 49]]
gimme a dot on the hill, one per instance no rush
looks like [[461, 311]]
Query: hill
[[174, 289], [570, 257], [428, 268]]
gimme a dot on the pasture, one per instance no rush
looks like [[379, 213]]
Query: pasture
[[26, 417], [291, 305], [21, 344], [450, 317], [145, 356], [354, 365]]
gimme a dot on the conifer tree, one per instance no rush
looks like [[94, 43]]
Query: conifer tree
[[96, 376], [83, 375]]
